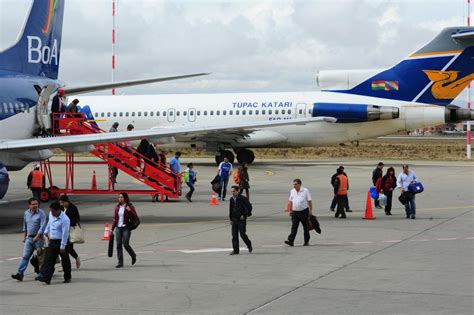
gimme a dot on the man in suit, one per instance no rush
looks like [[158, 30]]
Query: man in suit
[[239, 210]]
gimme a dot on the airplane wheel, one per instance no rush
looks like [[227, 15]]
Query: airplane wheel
[[45, 195], [245, 156], [225, 153]]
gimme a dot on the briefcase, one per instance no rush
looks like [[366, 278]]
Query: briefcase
[[110, 251]]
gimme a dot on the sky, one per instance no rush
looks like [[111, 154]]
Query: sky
[[248, 46]]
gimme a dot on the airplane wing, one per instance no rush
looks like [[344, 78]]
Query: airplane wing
[[113, 85], [81, 140]]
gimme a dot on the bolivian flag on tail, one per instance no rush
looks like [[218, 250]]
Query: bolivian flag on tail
[[385, 85]]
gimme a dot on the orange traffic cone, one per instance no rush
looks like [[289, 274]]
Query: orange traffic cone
[[369, 215], [106, 236], [213, 200], [94, 182]]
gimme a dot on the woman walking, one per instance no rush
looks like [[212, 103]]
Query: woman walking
[[389, 182], [73, 214], [244, 180], [124, 212]]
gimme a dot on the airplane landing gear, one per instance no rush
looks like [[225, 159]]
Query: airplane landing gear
[[225, 153], [245, 156]]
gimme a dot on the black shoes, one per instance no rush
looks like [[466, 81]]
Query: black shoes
[[332, 209], [119, 266], [67, 281], [134, 260], [289, 243], [348, 210], [378, 207], [413, 217], [250, 249], [317, 229], [18, 277], [233, 253], [44, 280], [306, 244], [388, 213]]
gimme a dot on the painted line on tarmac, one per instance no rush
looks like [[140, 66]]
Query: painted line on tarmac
[[228, 249]]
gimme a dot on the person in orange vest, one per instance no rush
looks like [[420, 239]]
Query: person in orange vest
[[341, 186], [36, 181]]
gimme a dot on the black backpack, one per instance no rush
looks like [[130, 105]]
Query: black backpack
[[248, 207]]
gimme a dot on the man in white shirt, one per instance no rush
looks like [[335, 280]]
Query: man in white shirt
[[404, 180], [301, 207]]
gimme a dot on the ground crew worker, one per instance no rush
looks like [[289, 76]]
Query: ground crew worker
[[341, 186], [34, 223], [334, 199], [301, 207], [239, 210], [36, 181]]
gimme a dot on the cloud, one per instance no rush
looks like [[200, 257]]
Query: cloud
[[253, 46]]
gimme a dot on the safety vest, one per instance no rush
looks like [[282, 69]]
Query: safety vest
[[36, 179], [342, 185]]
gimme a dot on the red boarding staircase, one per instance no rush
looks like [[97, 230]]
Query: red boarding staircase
[[157, 176]]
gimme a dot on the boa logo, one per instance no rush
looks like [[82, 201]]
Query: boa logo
[[37, 53]]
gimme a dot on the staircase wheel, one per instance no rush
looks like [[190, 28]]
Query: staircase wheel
[[53, 194], [44, 195]]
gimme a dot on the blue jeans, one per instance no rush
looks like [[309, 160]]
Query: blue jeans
[[410, 207], [224, 182], [191, 190], [28, 249]]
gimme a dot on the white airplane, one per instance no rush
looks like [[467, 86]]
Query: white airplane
[[415, 93], [29, 77]]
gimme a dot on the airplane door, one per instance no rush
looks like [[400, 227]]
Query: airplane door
[[42, 109], [171, 115], [300, 110], [192, 114]]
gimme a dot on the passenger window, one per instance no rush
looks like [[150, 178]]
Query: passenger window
[[177, 113], [289, 111], [283, 111], [184, 113], [243, 112], [256, 112], [309, 111], [276, 111], [164, 113], [171, 113], [212, 113], [269, 112], [115, 114], [224, 112], [263, 112], [108, 114], [218, 112], [120, 114], [152, 113], [102, 115], [133, 114], [301, 111], [237, 112], [205, 113], [96, 115], [250, 112], [199, 113], [139, 114], [157, 113], [231, 112], [191, 113], [145, 114]]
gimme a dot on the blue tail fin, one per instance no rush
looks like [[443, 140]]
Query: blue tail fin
[[38, 49], [435, 74]]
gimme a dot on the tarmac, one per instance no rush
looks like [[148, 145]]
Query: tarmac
[[390, 265]]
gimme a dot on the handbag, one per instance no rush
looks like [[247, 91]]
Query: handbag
[[110, 248], [382, 200], [374, 194], [76, 234], [133, 223], [405, 197], [416, 187]]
